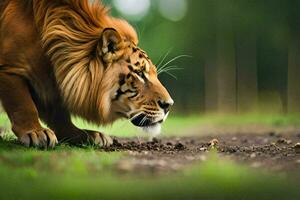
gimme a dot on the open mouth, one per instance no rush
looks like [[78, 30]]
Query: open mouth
[[143, 121]]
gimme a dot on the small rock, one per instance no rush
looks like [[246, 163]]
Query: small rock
[[234, 138], [297, 147], [213, 143], [282, 141], [155, 140], [203, 149], [179, 146], [169, 144], [253, 155]]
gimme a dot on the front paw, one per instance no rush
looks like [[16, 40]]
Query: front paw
[[83, 137], [100, 139], [42, 138]]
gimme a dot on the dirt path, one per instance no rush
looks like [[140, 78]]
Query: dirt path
[[266, 151]]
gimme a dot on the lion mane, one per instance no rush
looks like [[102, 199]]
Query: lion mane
[[70, 32]]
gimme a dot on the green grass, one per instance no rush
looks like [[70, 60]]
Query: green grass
[[173, 126], [72, 173], [88, 173], [179, 125]]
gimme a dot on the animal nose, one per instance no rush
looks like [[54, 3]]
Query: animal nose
[[165, 105]]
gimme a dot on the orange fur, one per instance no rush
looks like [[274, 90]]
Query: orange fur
[[68, 56]]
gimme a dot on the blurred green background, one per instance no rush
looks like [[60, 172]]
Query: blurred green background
[[244, 54]]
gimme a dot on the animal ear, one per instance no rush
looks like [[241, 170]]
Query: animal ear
[[111, 43]]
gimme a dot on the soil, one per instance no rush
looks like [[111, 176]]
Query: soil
[[269, 151]]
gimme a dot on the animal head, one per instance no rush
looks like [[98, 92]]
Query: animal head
[[136, 92]]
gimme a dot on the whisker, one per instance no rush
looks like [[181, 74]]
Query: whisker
[[162, 69], [174, 59], [164, 58], [170, 68], [142, 121], [172, 75], [142, 124]]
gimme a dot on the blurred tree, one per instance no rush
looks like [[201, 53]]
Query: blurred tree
[[245, 25], [226, 58], [293, 92], [247, 88], [293, 77]]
